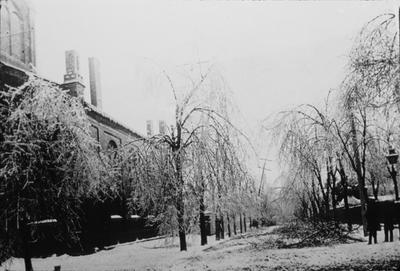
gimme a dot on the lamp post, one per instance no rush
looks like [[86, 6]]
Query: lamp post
[[392, 159]]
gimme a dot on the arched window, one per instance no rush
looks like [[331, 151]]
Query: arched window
[[17, 37], [111, 145], [5, 31], [112, 149]]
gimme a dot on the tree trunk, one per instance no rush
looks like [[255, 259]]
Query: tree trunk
[[317, 203], [375, 186], [314, 211], [234, 225], [325, 201], [181, 222], [393, 174], [343, 179], [240, 221], [217, 228], [180, 204], [222, 227], [229, 225], [203, 232], [244, 223], [328, 186], [360, 176], [333, 196], [25, 234]]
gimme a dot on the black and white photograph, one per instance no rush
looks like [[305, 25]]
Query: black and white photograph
[[186, 135]]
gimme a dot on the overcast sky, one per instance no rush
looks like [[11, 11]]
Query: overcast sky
[[272, 54]]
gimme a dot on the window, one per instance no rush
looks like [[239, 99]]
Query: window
[[5, 31], [17, 37], [111, 145], [94, 132], [112, 149]]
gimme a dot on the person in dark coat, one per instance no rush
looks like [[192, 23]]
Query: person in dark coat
[[373, 224], [388, 221]]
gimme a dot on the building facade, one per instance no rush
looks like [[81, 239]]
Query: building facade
[[17, 40], [17, 64], [18, 60], [106, 130]]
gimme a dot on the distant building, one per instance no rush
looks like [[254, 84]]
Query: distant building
[[149, 128], [162, 127]]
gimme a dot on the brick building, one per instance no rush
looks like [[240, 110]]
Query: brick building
[[17, 42], [17, 63], [18, 60], [109, 132]]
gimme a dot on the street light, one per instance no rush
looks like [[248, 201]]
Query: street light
[[392, 159]]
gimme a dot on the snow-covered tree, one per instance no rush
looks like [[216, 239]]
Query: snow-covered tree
[[48, 162], [176, 173]]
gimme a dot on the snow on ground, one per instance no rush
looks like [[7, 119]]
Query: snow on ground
[[244, 252], [153, 254]]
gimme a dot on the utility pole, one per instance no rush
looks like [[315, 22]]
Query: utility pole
[[262, 175]]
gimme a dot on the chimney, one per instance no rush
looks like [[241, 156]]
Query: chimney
[[149, 126], [73, 78], [162, 127], [95, 85]]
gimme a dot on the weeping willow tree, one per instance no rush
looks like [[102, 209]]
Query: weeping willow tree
[[49, 161], [350, 141], [370, 95], [174, 173]]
